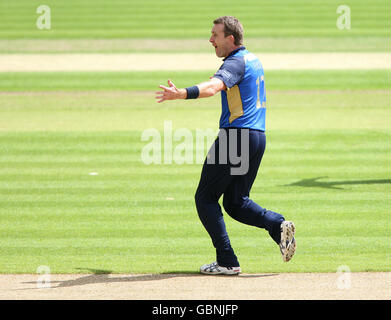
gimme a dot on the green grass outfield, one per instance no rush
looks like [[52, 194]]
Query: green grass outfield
[[270, 26], [327, 167], [183, 19]]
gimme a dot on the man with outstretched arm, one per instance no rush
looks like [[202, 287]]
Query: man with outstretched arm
[[232, 163]]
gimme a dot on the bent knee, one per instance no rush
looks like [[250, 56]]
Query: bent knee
[[198, 197], [233, 206], [201, 199], [230, 207]]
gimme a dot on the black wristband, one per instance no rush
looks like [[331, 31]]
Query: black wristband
[[192, 92]]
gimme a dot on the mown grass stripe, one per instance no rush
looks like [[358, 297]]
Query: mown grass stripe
[[81, 19], [44, 81]]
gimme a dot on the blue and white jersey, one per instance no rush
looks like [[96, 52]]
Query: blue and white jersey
[[244, 101]]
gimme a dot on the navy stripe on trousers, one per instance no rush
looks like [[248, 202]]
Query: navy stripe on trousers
[[217, 179]]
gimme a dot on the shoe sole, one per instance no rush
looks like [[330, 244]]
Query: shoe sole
[[221, 273], [288, 235]]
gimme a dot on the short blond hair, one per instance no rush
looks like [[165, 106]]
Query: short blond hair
[[232, 26]]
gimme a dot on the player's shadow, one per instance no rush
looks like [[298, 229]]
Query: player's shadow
[[314, 182], [103, 276]]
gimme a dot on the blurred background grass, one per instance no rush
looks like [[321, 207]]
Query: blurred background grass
[[189, 19], [280, 25]]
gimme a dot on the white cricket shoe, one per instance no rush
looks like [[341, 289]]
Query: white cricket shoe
[[214, 268], [288, 242]]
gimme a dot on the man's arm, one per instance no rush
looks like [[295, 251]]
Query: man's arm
[[206, 89]]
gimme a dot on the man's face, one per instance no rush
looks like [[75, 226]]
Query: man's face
[[222, 44]]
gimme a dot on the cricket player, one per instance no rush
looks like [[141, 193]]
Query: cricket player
[[232, 163]]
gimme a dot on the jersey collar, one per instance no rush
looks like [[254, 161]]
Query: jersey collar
[[233, 52]]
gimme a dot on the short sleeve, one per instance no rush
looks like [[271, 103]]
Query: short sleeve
[[231, 71]]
